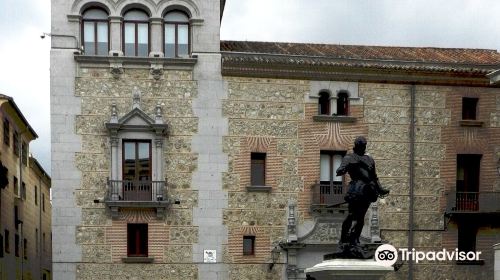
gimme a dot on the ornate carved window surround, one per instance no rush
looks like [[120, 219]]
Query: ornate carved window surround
[[137, 125]]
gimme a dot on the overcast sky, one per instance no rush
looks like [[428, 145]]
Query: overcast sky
[[24, 57]]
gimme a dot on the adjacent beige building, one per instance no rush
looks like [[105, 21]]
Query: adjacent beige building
[[25, 220]]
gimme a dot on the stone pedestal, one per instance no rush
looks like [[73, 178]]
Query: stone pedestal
[[496, 266], [348, 269]]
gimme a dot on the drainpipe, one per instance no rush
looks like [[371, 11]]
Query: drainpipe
[[412, 177]]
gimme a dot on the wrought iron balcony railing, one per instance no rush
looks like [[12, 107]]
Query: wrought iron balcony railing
[[326, 194], [125, 190], [473, 202]]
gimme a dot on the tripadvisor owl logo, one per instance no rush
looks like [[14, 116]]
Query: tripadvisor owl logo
[[386, 255]]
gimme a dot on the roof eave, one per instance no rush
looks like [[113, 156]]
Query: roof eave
[[494, 77]]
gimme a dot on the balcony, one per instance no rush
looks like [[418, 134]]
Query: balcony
[[327, 195], [473, 203], [137, 194]]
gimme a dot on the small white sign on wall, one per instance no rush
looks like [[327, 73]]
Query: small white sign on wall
[[210, 256]]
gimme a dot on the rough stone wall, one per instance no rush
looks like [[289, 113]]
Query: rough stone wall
[[103, 240], [263, 116]]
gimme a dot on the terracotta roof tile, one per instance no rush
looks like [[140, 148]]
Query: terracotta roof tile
[[409, 54]]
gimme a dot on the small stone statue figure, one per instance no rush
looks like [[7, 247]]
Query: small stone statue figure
[[364, 189]]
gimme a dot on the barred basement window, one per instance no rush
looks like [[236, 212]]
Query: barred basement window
[[467, 238], [137, 240], [248, 245], [258, 169]]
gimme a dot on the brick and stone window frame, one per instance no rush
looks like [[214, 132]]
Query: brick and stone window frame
[[339, 95], [470, 112], [248, 245], [258, 172]]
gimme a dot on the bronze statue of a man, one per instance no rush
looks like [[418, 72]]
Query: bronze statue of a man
[[364, 189]]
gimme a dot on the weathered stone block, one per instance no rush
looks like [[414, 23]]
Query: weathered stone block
[[427, 169], [182, 126], [289, 147], [181, 162], [179, 217], [429, 151], [275, 128], [399, 239], [431, 116], [183, 235], [254, 272], [91, 162], [90, 235], [254, 200], [94, 217], [401, 203], [85, 198], [430, 98], [389, 150], [96, 253], [95, 144], [388, 132], [231, 145], [230, 181], [178, 145], [178, 254], [387, 115], [266, 91], [91, 125], [393, 168], [290, 166], [386, 97], [178, 180], [94, 180], [290, 184], [253, 217], [254, 110], [187, 198]]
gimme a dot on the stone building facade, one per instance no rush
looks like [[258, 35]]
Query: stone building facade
[[178, 156], [25, 220]]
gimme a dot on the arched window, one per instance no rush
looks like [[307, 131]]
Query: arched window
[[324, 103], [343, 104], [136, 33], [95, 32], [176, 34]]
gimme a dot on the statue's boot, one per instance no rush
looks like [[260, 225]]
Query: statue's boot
[[381, 191]]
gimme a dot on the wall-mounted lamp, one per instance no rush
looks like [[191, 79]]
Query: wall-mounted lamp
[[77, 45]]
